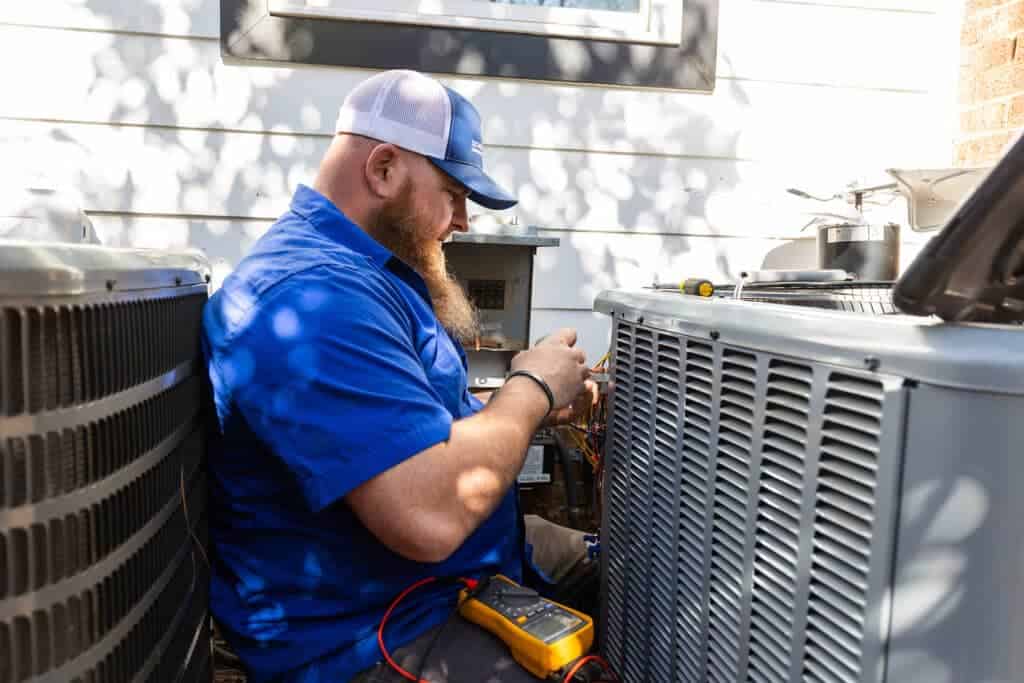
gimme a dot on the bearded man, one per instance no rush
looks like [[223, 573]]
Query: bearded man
[[351, 461]]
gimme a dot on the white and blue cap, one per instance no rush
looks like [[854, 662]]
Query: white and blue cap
[[419, 114]]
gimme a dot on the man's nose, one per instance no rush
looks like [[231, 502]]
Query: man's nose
[[460, 220]]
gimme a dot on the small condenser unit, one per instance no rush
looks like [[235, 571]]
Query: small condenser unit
[[796, 494], [102, 497]]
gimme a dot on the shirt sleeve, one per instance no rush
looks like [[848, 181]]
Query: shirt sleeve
[[334, 384]]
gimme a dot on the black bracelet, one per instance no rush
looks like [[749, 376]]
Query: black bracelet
[[540, 382]]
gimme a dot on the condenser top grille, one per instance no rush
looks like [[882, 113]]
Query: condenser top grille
[[31, 269]]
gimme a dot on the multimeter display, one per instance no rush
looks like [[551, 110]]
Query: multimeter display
[[552, 625]]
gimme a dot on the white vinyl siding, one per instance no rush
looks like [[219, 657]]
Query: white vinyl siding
[[132, 106]]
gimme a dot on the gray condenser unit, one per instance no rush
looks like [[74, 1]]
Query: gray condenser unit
[[102, 498], [796, 494]]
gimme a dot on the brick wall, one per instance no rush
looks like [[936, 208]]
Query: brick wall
[[991, 79]]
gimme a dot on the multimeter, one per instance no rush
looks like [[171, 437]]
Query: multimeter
[[543, 636]]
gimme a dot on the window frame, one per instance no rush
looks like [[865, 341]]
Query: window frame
[[657, 22], [251, 33]]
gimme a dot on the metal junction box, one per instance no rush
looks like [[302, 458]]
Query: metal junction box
[[496, 270], [794, 494]]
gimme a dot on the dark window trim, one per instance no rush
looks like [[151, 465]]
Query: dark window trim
[[249, 32]]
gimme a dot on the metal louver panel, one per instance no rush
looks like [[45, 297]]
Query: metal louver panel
[[101, 482], [617, 498], [640, 499], [777, 527], [844, 521], [742, 513], [664, 506], [729, 513], [695, 479], [58, 356]]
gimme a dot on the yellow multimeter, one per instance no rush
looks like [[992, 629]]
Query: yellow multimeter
[[542, 635]]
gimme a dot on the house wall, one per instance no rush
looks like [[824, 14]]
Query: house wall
[[991, 79], [130, 107]]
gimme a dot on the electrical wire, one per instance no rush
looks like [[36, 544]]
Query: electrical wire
[[437, 634], [581, 444], [188, 525], [384, 620], [590, 658], [470, 583], [433, 641]]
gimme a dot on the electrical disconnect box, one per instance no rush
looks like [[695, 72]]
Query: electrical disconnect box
[[496, 270]]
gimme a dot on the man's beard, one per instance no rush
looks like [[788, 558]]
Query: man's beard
[[396, 227]]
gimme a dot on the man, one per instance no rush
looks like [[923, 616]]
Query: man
[[352, 461]]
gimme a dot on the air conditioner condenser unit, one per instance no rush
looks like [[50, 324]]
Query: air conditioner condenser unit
[[795, 494]]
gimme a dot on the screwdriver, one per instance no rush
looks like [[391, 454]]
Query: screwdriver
[[697, 286], [694, 286]]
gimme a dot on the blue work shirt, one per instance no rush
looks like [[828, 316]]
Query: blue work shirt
[[328, 366]]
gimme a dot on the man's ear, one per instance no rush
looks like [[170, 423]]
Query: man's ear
[[385, 170]]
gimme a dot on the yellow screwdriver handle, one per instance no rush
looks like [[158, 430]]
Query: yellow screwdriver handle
[[697, 286]]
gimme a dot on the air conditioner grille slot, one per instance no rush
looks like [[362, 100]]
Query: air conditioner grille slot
[[844, 526], [777, 527]]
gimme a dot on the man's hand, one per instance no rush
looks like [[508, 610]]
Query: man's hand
[[563, 367], [575, 411]]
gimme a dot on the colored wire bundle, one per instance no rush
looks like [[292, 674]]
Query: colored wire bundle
[[588, 436]]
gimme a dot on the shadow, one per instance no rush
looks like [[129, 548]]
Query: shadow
[[958, 558]]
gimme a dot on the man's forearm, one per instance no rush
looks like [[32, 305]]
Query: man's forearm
[[495, 439], [441, 495]]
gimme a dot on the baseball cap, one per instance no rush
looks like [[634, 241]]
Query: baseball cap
[[419, 114]]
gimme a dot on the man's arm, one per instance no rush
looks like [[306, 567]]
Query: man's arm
[[425, 507]]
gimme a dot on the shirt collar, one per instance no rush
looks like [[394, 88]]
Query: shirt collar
[[323, 215], [328, 219]]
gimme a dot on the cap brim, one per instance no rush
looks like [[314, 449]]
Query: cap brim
[[482, 189]]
